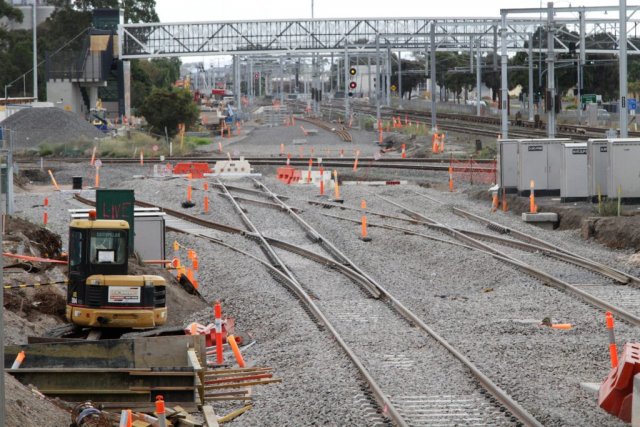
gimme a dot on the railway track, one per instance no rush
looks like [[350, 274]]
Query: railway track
[[452, 122], [363, 306], [613, 295], [342, 132], [440, 165]]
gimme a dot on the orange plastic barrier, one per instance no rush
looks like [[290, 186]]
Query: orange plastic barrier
[[616, 391], [288, 175], [197, 170], [474, 172]]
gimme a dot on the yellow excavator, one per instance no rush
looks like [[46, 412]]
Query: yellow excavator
[[100, 292]]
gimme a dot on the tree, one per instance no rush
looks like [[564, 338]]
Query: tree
[[411, 75], [168, 108], [145, 75], [10, 12], [134, 10]]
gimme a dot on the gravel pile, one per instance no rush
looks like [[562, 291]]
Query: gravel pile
[[34, 126]]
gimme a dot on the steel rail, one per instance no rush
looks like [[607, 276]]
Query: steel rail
[[317, 316], [506, 400], [346, 159], [492, 388], [534, 272], [315, 237], [546, 247], [380, 397]]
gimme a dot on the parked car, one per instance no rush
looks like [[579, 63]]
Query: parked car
[[603, 114]]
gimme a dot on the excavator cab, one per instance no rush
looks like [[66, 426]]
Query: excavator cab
[[100, 292]]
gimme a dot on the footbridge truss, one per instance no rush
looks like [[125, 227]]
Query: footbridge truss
[[585, 25]]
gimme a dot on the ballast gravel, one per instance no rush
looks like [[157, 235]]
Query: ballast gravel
[[486, 309]]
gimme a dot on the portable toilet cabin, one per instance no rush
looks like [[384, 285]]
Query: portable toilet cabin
[[574, 184], [623, 173], [597, 164], [508, 164], [540, 160]]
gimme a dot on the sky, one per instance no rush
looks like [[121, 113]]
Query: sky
[[240, 10]]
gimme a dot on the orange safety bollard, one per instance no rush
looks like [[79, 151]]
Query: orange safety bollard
[[532, 198], [434, 142], [220, 146], [55, 184], [96, 182], [126, 418], [193, 328], [176, 248], [45, 215], [494, 201], [282, 149], [450, 179], [141, 158], [613, 349], [93, 157], [336, 186], [217, 309], [161, 411], [441, 148], [231, 340], [321, 181], [363, 223], [355, 162], [309, 171], [206, 204], [404, 151], [505, 207], [19, 359], [205, 186], [190, 254], [196, 265], [189, 190]]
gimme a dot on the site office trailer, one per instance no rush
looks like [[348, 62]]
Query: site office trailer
[[597, 165], [508, 164], [624, 168], [540, 160], [574, 185]]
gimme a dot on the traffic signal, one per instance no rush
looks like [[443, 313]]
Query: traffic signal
[[352, 83]]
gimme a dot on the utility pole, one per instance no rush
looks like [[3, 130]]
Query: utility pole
[[388, 76], [378, 78], [346, 82], [432, 41], [530, 77], [34, 22], [623, 70], [551, 86], [2, 385], [504, 93], [400, 79], [478, 78], [581, 61]]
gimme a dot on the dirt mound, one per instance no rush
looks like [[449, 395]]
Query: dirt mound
[[34, 126], [29, 239], [27, 408]]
